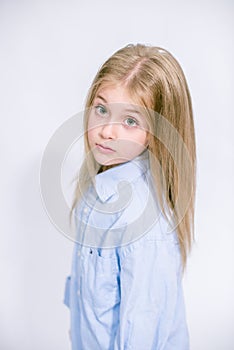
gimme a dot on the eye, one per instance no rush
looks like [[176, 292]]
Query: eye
[[131, 122], [101, 110]]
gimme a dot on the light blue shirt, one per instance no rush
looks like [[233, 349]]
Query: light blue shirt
[[125, 289]]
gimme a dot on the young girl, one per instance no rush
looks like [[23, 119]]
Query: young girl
[[134, 206]]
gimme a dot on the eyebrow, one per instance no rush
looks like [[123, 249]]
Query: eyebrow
[[126, 110], [132, 111], [102, 98]]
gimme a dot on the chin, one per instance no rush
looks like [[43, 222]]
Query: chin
[[111, 162]]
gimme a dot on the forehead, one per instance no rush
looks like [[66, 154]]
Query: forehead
[[116, 93]]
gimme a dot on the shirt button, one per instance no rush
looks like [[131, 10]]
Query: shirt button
[[85, 210], [78, 293], [78, 253]]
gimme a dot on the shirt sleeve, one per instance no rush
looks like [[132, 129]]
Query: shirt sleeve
[[152, 314], [66, 299]]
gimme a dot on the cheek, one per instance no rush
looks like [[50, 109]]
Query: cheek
[[93, 128], [145, 139], [92, 133], [90, 137], [141, 138]]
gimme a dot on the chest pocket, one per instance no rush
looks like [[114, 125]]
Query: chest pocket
[[101, 281]]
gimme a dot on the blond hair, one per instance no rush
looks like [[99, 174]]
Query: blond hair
[[155, 80]]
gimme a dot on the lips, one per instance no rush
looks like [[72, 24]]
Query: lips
[[104, 149]]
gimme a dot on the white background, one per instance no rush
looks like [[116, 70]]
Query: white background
[[50, 51]]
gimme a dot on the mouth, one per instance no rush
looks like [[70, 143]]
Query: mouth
[[104, 149]]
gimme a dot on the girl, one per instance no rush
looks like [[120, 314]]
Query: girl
[[134, 206]]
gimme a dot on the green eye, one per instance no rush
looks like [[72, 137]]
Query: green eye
[[130, 122], [101, 110]]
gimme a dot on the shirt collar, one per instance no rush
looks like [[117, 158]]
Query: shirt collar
[[106, 183]]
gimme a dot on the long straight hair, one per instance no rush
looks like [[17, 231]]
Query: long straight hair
[[155, 80]]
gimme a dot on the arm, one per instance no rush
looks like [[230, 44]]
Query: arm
[[152, 309]]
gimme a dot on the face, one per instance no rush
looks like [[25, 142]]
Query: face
[[117, 129]]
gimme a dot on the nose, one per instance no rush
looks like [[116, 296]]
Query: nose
[[108, 131]]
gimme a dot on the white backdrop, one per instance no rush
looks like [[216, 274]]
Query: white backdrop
[[50, 51]]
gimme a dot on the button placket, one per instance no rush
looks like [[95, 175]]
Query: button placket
[[79, 273]]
